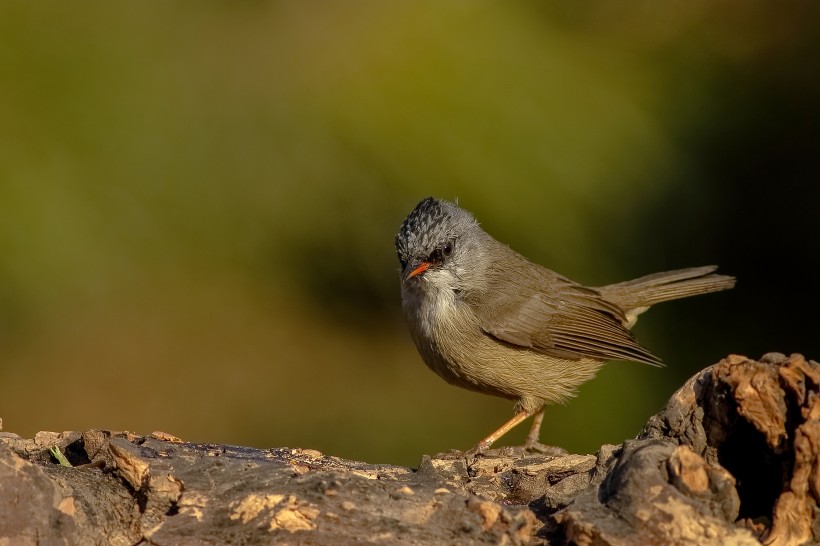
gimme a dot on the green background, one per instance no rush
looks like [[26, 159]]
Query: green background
[[198, 202]]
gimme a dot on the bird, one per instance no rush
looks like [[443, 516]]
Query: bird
[[485, 318]]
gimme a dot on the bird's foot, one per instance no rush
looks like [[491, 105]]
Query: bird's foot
[[477, 449], [534, 446]]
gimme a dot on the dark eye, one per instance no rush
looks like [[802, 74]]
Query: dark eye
[[438, 255]]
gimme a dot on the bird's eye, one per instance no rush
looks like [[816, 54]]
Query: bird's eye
[[438, 255]]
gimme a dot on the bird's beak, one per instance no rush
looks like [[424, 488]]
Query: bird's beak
[[414, 269]]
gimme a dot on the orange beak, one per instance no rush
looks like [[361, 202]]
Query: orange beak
[[419, 269]]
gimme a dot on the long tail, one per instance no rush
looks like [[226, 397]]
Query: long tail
[[671, 285]]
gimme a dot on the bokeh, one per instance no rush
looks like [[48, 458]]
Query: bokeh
[[198, 202]]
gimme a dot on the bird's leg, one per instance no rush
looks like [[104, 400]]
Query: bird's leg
[[504, 429], [535, 430], [533, 445]]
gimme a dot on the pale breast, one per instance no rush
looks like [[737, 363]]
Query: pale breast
[[453, 345]]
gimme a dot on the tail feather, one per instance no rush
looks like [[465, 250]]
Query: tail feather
[[670, 285]]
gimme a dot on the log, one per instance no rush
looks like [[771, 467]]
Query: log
[[733, 458]]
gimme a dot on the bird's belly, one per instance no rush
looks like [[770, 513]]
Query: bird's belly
[[463, 355], [519, 373]]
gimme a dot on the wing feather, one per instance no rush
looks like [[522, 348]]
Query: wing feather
[[531, 306]]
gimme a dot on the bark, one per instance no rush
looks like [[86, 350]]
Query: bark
[[733, 458]]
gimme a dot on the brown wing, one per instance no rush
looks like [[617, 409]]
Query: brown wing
[[565, 320]]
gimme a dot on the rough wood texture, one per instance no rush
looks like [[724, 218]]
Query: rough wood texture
[[734, 458]]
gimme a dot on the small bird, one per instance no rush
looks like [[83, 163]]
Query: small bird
[[485, 318]]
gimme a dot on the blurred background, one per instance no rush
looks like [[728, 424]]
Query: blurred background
[[198, 203]]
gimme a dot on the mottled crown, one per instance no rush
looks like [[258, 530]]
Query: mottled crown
[[428, 226]]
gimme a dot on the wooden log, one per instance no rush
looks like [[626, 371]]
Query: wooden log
[[733, 458]]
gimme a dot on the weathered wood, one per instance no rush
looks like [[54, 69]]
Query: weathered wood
[[733, 458]]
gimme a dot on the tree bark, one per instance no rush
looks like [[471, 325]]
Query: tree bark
[[733, 458]]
